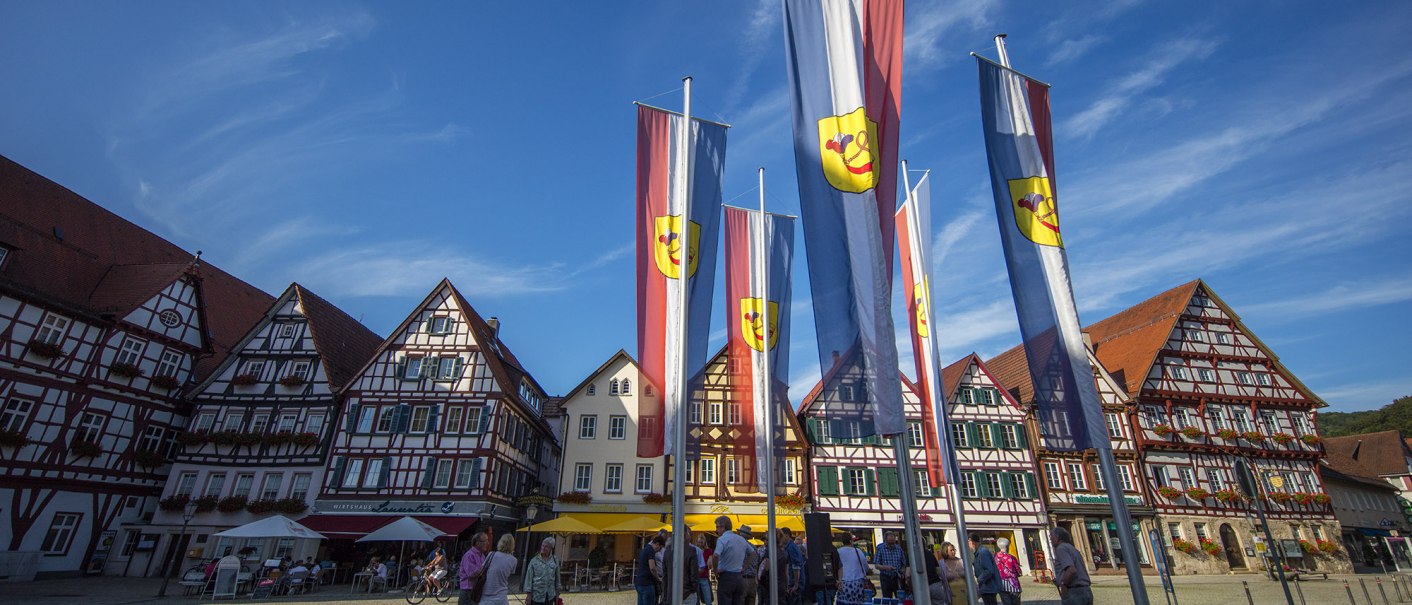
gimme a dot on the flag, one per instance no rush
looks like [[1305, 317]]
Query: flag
[[749, 311], [845, 78], [916, 269], [667, 251], [1019, 145]]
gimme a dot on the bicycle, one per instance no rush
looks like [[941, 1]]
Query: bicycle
[[423, 587]]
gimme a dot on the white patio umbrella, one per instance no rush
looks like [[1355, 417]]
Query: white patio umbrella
[[405, 528], [272, 527]]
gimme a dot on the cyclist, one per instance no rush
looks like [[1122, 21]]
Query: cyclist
[[436, 567]]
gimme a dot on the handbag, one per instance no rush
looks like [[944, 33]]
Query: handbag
[[867, 583], [478, 588]]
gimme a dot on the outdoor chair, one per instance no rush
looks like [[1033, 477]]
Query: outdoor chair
[[298, 583]]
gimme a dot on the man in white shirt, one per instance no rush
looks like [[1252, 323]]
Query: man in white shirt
[[727, 561]]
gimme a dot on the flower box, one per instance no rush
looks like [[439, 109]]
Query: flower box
[[1228, 495], [1228, 434], [85, 449], [1282, 438], [1169, 492], [291, 505], [165, 382], [1328, 547], [292, 381], [1211, 548], [1308, 547], [47, 350], [1280, 497], [1197, 493], [575, 498], [1311, 439], [655, 498], [1320, 499], [1303, 498], [1163, 430], [13, 439], [790, 501], [230, 504], [277, 438], [1184, 546], [173, 503], [244, 380], [1253, 436], [206, 504], [261, 507], [126, 370], [189, 438], [148, 459], [1192, 432], [305, 439]]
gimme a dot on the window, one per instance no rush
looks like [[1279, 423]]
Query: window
[[130, 542], [215, 483], [1175, 530], [1097, 477], [287, 422], [715, 412], [1008, 434], [448, 368], [243, 482], [1076, 478], [966, 397], [613, 479], [1241, 420], [1188, 477], [1269, 422], [1223, 338], [16, 413], [300, 488], [592, 390], [475, 422], [647, 391], [968, 485], [791, 471], [644, 479], [914, 434], [959, 436], [695, 412], [170, 363], [314, 424], [626, 389], [1244, 378], [1263, 379], [61, 533], [1301, 424], [708, 471], [232, 421], [857, 481], [152, 439], [373, 477], [52, 329], [732, 471], [130, 352], [90, 429], [286, 331], [583, 477], [1125, 477], [1206, 375], [1115, 427], [984, 437], [1159, 476], [186, 484], [1177, 372], [1216, 419], [613, 387], [254, 367], [442, 477], [354, 470], [420, 417], [1182, 418], [733, 416], [438, 324], [453, 419], [464, 471], [987, 397], [270, 489], [924, 486], [617, 427], [1018, 487], [1052, 478], [1152, 415], [1217, 482], [258, 422], [1196, 335], [386, 419], [690, 471], [412, 368], [1201, 531], [588, 427]]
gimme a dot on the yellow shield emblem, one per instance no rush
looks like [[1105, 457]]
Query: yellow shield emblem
[[845, 151], [752, 325], [919, 296], [667, 249], [1036, 214]]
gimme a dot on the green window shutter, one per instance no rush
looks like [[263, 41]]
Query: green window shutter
[[430, 478], [386, 472], [1021, 435], [351, 422], [1007, 486], [460, 367], [828, 481], [997, 435], [402, 418], [982, 486], [972, 435], [1030, 486], [870, 482], [475, 471], [337, 479], [401, 367], [484, 419], [887, 482], [431, 419]]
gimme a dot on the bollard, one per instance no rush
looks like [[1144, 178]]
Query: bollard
[[1367, 597], [1300, 591], [1349, 590], [1381, 591], [1248, 598]]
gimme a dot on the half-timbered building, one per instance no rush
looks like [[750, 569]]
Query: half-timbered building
[[102, 327], [855, 478], [443, 423], [1208, 392], [1074, 493], [260, 430]]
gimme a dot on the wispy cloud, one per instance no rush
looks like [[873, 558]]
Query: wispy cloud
[[1073, 48], [1365, 395], [1087, 123], [405, 269], [1337, 298], [934, 22]]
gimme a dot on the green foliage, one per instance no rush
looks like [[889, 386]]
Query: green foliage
[[1394, 416]]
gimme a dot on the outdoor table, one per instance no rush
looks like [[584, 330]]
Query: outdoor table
[[357, 577]]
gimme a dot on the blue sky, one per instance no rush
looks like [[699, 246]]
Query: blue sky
[[368, 149]]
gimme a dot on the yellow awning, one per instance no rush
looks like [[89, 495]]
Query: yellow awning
[[757, 523], [637, 524], [564, 524]]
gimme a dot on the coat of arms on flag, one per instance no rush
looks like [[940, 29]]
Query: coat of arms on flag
[[1036, 214], [667, 250], [919, 297], [845, 151], [752, 323]]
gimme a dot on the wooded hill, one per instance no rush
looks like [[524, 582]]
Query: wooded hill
[[1393, 416]]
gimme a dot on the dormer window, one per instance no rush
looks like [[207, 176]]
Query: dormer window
[[592, 390], [52, 329], [626, 388], [286, 331], [613, 387]]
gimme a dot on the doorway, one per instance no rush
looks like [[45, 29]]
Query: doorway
[[1234, 557]]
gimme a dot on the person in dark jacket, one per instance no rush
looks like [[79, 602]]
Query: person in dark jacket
[[987, 574], [690, 588]]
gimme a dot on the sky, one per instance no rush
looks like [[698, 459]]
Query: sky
[[368, 149]]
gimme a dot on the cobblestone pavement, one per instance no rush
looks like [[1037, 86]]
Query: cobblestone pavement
[[1191, 590]]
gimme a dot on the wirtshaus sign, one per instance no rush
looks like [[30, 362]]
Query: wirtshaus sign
[[404, 507], [1092, 499]]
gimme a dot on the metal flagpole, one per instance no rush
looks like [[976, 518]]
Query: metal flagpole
[[762, 269], [683, 394], [1108, 469], [953, 486]]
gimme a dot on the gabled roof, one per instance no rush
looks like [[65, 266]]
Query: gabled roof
[[950, 378], [1127, 342], [1369, 455], [343, 343], [621, 354], [1012, 371], [65, 248], [125, 287], [1327, 472]]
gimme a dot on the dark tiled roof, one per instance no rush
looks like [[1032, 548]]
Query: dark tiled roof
[[343, 343], [67, 249], [1367, 455], [1328, 472]]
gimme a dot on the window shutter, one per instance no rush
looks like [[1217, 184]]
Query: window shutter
[[887, 482], [431, 419], [983, 485], [870, 482], [400, 418], [484, 418], [351, 422], [475, 471], [997, 435], [972, 435], [1006, 486], [828, 480], [430, 479], [337, 479], [1030, 486], [451, 325], [401, 368], [1022, 436], [386, 472], [460, 367]]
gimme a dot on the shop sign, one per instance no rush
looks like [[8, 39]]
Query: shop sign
[[1092, 499], [397, 507]]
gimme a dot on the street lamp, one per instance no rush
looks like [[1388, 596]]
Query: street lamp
[[186, 515]]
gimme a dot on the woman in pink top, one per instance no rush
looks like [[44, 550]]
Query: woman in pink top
[[1010, 573]]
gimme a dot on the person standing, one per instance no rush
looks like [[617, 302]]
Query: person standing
[[689, 569], [472, 567], [648, 574], [773, 573], [987, 576], [798, 566], [542, 583], [728, 561], [750, 569], [853, 568], [955, 572], [498, 568], [1070, 572], [1009, 568], [703, 575], [891, 560], [936, 579]]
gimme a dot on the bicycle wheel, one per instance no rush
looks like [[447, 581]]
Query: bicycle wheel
[[417, 592], [445, 593]]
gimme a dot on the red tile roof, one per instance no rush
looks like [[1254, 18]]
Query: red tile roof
[[74, 255], [1368, 455], [1127, 342], [343, 343]]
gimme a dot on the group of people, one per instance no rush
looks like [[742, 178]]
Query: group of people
[[744, 573], [485, 574]]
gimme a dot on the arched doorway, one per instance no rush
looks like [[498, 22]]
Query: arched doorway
[[1234, 556]]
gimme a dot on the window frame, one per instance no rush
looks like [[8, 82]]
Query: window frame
[[613, 482], [583, 477], [1078, 482], [618, 427], [129, 355], [170, 363], [58, 539], [639, 477], [588, 426], [708, 471], [1052, 477], [13, 418]]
